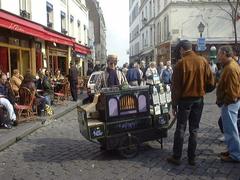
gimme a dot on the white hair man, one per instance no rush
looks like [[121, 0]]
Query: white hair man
[[5, 102]]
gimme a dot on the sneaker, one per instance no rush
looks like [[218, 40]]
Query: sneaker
[[191, 162], [222, 139], [228, 159], [174, 161], [7, 126]]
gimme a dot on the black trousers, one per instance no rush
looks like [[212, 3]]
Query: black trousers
[[188, 111], [73, 87]]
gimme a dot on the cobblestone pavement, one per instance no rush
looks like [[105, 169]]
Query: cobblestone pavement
[[58, 151]]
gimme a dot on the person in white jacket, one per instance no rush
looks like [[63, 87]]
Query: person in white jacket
[[151, 71]]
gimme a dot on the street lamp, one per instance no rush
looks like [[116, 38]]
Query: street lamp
[[201, 28]]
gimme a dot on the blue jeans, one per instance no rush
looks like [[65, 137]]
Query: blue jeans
[[48, 100], [229, 115]]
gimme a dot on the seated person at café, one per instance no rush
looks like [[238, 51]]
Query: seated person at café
[[58, 76], [16, 81], [7, 101], [44, 84], [58, 79], [29, 83], [48, 74]]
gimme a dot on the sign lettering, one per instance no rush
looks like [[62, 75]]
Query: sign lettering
[[16, 27]]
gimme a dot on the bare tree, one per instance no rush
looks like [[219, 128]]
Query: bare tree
[[235, 16]]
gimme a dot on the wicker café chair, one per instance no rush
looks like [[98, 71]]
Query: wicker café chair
[[26, 104], [63, 94]]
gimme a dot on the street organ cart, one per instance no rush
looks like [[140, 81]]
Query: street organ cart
[[123, 118]]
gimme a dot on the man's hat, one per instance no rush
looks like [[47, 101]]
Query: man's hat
[[112, 57]]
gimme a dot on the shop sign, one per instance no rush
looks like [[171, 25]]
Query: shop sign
[[201, 44], [78, 55], [16, 27]]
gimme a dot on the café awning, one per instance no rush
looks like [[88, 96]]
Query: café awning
[[18, 24]]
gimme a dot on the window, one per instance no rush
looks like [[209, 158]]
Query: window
[[150, 9], [63, 23], [166, 28], [71, 33], [151, 36], [146, 12], [146, 39], [25, 8], [79, 31], [158, 6], [49, 15], [85, 34], [160, 32]]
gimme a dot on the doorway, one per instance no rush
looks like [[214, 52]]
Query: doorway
[[14, 59], [58, 62], [25, 64]]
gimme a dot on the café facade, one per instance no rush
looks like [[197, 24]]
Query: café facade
[[28, 45]]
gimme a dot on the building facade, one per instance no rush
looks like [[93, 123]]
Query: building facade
[[43, 34], [164, 23], [134, 23], [96, 16]]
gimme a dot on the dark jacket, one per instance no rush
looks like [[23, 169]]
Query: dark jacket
[[3, 90], [29, 84], [73, 74], [133, 75], [45, 85]]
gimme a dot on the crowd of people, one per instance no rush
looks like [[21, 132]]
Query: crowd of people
[[190, 79], [42, 87]]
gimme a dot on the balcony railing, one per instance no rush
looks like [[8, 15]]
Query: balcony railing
[[25, 14]]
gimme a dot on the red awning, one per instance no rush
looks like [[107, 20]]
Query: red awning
[[81, 49], [15, 23]]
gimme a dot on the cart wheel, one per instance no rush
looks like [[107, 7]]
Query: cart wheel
[[129, 147]]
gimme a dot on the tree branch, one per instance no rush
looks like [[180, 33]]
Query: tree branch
[[225, 10]]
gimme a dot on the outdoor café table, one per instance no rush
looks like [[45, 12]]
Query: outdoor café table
[[57, 86]]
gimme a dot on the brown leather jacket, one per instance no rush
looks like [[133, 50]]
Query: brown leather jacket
[[190, 77], [228, 90], [15, 82]]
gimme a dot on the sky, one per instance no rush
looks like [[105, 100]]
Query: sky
[[116, 17]]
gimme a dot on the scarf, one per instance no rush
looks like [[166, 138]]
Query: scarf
[[112, 78]]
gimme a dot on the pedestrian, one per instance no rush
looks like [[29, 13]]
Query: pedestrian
[[136, 65], [160, 69], [111, 76], [73, 79], [190, 77], [8, 103], [228, 98], [133, 75], [151, 72], [44, 84], [167, 74], [213, 67], [143, 68], [125, 69]]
